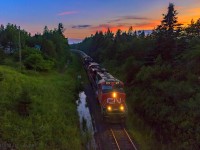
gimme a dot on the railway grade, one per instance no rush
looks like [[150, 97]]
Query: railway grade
[[108, 135], [120, 138]]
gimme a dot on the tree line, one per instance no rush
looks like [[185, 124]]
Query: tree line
[[41, 52], [161, 72]]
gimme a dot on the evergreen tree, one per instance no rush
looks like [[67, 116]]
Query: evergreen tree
[[61, 29], [166, 34], [169, 22], [118, 35], [48, 48], [46, 30], [130, 31], [142, 34], [193, 30], [109, 35]]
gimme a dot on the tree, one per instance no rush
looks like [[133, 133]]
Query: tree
[[166, 34], [169, 21], [118, 35], [48, 48], [46, 30], [9, 38], [193, 30], [109, 35], [130, 31], [141, 34], [61, 29]]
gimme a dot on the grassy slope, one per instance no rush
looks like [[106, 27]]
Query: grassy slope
[[52, 122]]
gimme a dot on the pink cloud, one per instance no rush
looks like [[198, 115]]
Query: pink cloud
[[67, 13]]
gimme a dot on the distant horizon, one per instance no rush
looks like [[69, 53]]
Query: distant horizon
[[75, 41]]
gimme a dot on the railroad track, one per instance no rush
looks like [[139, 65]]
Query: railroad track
[[121, 139]]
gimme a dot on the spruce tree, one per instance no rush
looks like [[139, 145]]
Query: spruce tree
[[61, 29], [166, 34]]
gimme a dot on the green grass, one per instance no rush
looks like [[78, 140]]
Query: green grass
[[51, 121]]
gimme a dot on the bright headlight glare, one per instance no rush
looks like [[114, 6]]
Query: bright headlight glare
[[122, 108], [109, 108], [114, 94]]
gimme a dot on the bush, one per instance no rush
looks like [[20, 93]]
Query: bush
[[36, 62]]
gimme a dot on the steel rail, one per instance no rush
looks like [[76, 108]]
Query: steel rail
[[130, 139], [115, 139], [126, 135]]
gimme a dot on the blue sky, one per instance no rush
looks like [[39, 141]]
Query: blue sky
[[82, 18]]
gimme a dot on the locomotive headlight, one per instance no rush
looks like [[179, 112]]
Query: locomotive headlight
[[109, 108], [114, 94], [121, 108]]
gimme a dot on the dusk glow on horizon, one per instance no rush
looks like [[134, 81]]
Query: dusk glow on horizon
[[81, 18]]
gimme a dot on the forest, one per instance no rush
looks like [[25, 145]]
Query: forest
[[41, 52], [161, 72]]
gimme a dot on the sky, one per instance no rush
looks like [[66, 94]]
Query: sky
[[81, 18]]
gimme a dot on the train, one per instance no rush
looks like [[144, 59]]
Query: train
[[109, 90]]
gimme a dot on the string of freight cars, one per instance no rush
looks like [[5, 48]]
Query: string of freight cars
[[109, 90]]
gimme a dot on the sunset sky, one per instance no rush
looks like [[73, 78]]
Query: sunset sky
[[82, 18]]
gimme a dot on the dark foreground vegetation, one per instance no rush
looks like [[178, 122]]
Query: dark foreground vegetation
[[38, 101], [162, 76]]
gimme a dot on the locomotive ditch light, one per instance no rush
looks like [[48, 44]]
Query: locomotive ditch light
[[109, 108], [121, 108], [114, 94]]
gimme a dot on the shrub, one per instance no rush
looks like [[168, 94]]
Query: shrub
[[34, 61], [37, 63]]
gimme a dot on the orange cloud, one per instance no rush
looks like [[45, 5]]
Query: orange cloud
[[113, 28], [124, 27], [77, 34], [194, 10], [147, 25], [67, 13], [179, 7], [85, 32], [187, 14]]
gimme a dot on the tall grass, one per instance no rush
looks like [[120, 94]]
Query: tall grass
[[49, 120]]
